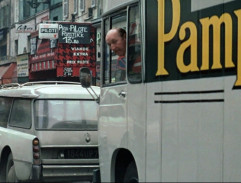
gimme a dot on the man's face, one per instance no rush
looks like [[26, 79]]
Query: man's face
[[116, 42]]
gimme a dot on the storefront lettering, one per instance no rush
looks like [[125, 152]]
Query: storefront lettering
[[22, 28]]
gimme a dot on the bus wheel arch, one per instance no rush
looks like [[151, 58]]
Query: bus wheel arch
[[124, 166]]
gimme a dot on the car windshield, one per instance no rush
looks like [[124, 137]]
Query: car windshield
[[65, 115]]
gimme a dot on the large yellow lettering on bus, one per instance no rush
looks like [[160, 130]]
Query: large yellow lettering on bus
[[162, 37], [238, 82], [191, 42], [216, 22]]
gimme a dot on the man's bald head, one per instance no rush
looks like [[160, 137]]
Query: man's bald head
[[116, 39]]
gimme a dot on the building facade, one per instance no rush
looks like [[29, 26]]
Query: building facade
[[8, 63], [19, 24]]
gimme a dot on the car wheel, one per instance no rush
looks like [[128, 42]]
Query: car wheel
[[131, 173], [10, 170]]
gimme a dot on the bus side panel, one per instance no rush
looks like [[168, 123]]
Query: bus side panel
[[193, 121], [187, 130], [232, 133]]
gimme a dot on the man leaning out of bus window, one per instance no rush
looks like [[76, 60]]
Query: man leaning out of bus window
[[116, 39]]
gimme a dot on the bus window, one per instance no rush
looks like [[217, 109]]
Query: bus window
[[134, 46], [114, 65]]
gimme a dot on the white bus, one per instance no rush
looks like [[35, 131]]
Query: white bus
[[177, 117]]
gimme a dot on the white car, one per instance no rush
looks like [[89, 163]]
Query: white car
[[48, 132]]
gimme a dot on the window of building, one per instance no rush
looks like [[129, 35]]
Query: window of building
[[26, 10], [90, 12], [4, 16], [75, 6], [82, 5], [29, 44], [16, 14], [65, 8], [93, 3], [55, 18], [3, 50], [16, 47]]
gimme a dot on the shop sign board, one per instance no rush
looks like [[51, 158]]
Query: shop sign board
[[22, 66], [25, 28], [48, 31]]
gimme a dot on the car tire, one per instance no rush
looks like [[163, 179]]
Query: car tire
[[10, 170]]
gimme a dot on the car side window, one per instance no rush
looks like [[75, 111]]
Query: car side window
[[21, 113], [5, 106]]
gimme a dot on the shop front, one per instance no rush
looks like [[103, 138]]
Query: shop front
[[62, 58], [8, 73]]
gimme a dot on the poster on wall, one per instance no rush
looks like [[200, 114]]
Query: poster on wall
[[71, 57], [33, 45], [22, 66], [74, 33], [53, 43]]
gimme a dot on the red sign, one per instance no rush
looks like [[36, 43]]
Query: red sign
[[71, 57], [65, 60]]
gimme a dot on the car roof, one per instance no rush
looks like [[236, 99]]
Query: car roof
[[50, 90]]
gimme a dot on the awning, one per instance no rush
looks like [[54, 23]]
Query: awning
[[42, 66], [8, 73]]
